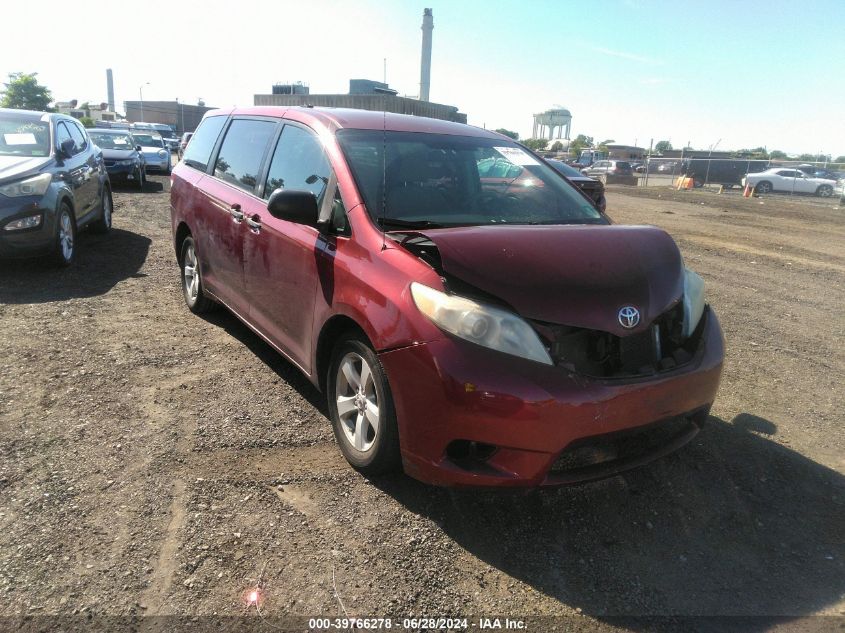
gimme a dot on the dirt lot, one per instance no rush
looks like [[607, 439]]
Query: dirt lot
[[153, 462]]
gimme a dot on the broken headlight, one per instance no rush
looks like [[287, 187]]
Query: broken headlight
[[480, 324], [693, 301]]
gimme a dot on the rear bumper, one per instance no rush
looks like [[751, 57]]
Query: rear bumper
[[452, 394]]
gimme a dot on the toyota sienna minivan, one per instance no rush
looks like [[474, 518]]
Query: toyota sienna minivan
[[474, 329]]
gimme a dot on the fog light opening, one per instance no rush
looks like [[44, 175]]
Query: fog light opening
[[466, 452]]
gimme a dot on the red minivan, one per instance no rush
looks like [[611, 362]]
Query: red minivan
[[478, 332]]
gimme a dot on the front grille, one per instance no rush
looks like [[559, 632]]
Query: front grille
[[110, 163], [604, 355]]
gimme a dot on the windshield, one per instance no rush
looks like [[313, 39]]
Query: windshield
[[411, 179], [148, 140], [112, 141], [23, 137]]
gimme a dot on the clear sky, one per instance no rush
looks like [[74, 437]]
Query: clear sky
[[738, 73]]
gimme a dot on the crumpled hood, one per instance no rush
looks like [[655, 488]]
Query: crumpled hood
[[569, 275], [13, 167]]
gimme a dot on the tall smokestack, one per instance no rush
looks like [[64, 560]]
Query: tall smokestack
[[425, 66], [110, 89]]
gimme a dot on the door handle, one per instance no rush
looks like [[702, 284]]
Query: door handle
[[236, 213], [254, 223]]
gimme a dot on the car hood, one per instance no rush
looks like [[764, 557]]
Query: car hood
[[12, 167], [571, 275], [118, 154]]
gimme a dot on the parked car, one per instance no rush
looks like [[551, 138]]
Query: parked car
[[53, 183], [156, 154], [594, 189], [789, 180], [183, 143], [123, 159], [720, 171], [611, 171], [171, 139], [477, 334]]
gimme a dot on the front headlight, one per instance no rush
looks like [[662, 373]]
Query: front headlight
[[693, 301], [35, 186], [162, 153], [24, 223], [480, 324]]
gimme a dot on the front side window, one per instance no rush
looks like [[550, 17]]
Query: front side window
[[420, 179], [299, 163], [62, 135], [78, 136], [243, 148], [23, 137]]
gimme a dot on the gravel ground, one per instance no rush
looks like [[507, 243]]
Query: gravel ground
[[156, 463]]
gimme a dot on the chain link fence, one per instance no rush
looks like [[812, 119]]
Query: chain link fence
[[731, 172]]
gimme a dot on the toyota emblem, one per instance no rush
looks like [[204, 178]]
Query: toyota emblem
[[629, 317]]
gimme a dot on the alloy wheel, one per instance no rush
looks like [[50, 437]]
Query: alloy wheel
[[191, 275], [357, 402], [66, 235]]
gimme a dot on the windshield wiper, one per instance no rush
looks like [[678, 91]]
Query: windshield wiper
[[408, 224]]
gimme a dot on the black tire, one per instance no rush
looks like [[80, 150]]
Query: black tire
[[193, 290], [825, 191], [103, 224], [764, 186], [381, 455], [64, 252], [139, 179]]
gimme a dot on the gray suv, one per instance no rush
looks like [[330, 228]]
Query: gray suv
[[53, 182]]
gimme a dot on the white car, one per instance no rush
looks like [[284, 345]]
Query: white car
[[156, 153], [789, 180]]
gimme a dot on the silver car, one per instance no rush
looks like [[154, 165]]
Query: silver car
[[155, 151]]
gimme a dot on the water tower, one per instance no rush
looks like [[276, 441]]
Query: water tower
[[553, 124]]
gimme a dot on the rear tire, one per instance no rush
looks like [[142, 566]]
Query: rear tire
[[193, 290], [361, 407], [103, 225], [764, 186]]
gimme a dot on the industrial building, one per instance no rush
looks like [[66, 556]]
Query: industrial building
[[366, 94], [183, 117]]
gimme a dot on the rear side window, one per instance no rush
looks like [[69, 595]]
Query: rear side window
[[243, 148], [299, 163], [198, 153]]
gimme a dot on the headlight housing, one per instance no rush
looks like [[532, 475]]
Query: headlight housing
[[483, 325], [693, 301], [162, 153], [35, 186]]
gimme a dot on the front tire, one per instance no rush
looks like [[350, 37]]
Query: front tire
[[64, 250], [103, 225], [764, 186], [361, 407], [192, 287], [825, 191]]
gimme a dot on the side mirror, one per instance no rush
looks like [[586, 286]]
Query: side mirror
[[67, 146], [299, 207], [138, 148]]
